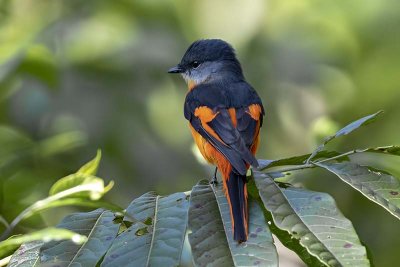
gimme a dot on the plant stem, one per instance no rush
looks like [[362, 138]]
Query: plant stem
[[312, 164], [294, 168], [339, 156], [41, 204]]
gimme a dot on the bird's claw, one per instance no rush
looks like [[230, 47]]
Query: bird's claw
[[214, 181]]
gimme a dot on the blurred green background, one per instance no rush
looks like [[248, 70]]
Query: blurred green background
[[80, 75]]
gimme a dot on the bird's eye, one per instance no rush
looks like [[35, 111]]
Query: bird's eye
[[195, 64]]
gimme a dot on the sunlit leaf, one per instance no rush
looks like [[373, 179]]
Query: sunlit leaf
[[84, 177], [92, 186], [314, 219], [157, 234], [91, 167], [381, 188], [100, 230], [259, 249], [206, 232], [45, 235]]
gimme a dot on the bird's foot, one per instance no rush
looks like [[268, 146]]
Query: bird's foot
[[214, 181]]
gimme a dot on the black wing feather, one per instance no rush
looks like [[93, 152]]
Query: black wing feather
[[222, 125]]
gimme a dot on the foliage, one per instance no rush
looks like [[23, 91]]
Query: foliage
[[79, 75], [151, 231], [81, 188]]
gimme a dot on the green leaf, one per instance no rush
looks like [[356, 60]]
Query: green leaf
[[91, 167], [259, 249], [94, 186], [206, 232], [346, 130], [157, 234], [314, 219], [45, 235], [381, 188], [84, 177], [355, 125], [101, 231], [27, 255]]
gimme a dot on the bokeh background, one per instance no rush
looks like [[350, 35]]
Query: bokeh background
[[80, 75]]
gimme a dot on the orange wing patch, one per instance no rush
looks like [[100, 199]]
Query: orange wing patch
[[255, 111], [206, 115], [232, 114]]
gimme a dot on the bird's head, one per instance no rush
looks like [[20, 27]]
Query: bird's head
[[208, 60]]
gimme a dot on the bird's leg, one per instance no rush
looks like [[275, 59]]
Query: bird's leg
[[214, 180]]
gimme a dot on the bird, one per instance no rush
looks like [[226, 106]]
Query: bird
[[225, 115]]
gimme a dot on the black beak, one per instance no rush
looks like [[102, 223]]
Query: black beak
[[176, 69]]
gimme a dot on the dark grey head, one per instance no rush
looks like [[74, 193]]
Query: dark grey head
[[208, 60]]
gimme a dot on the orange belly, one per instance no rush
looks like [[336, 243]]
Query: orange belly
[[210, 154]]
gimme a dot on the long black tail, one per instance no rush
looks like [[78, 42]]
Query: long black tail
[[237, 198]]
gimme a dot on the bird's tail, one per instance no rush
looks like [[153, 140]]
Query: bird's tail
[[236, 193]]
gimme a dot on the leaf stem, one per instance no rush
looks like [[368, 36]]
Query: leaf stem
[[5, 261], [340, 156], [293, 168], [313, 164]]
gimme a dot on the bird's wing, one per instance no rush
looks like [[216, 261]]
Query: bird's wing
[[228, 115], [218, 128]]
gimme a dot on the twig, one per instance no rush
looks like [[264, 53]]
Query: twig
[[293, 168], [340, 156], [312, 164]]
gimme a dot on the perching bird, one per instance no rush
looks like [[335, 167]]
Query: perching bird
[[225, 115]]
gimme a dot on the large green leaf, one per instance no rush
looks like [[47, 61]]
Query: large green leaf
[[206, 231], [101, 231], [346, 130], [157, 234], [259, 249], [314, 219], [381, 188], [44, 235]]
